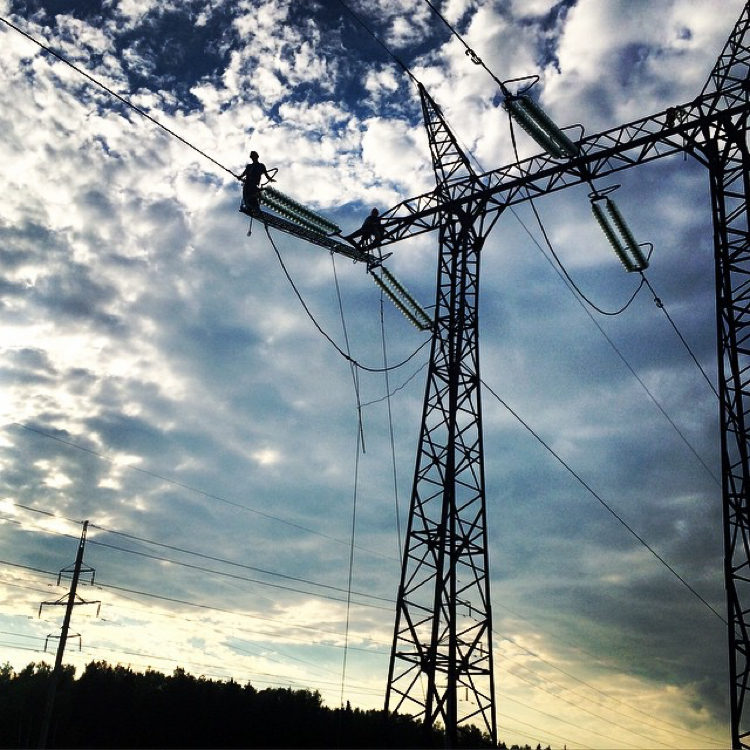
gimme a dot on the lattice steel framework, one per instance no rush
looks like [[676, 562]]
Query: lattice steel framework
[[442, 640], [442, 643]]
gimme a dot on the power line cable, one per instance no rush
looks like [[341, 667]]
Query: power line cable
[[189, 488], [590, 713], [245, 579], [672, 727], [660, 305], [229, 562], [544, 732], [184, 602], [570, 723], [592, 658], [470, 53], [601, 501], [201, 555], [46, 48], [622, 357], [325, 335], [390, 54]]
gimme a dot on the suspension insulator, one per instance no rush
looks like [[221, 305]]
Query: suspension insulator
[[619, 235], [535, 121], [278, 201], [403, 301]]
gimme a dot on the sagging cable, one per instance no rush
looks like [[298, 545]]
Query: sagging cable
[[619, 235], [296, 212], [537, 123], [405, 303]]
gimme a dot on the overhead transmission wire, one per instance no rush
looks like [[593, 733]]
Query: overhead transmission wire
[[298, 625], [95, 542], [593, 659], [102, 586], [600, 500], [189, 488], [201, 568], [672, 727], [595, 715], [624, 360], [661, 306], [50, 51], [377, 39]]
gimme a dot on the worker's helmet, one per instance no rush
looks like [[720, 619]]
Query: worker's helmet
[[253, 154]]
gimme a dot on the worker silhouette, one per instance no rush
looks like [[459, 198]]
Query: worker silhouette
[[251, 177], [372, 229]]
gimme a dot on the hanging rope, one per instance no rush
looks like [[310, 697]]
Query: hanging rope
[[351, 567], [352, 363], [390, 425]]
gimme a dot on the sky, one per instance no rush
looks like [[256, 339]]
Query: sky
[[161, 379]]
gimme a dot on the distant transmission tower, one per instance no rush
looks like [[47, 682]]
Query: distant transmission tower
[[69, 600]]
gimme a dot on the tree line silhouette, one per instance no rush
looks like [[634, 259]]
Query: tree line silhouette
[[115, 707]]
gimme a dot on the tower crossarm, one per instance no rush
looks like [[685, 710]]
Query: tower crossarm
[[676, 130]]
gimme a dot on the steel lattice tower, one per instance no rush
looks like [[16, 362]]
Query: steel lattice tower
[[443, 634], [442, 639]]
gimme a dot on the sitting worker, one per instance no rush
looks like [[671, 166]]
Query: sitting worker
[[251, 176], [372, 231]]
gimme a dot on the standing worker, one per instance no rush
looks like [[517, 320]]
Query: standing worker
[[251, 177]]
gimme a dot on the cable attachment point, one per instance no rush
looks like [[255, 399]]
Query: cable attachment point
[[474, 57], [533, 80]]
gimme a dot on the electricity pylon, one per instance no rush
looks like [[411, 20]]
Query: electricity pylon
[[442, 639], [69, 600], [443, 634]]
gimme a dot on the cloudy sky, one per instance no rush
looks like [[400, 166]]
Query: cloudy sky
[[161, 379]]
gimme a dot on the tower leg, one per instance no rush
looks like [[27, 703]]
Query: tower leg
[[729, 169]]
